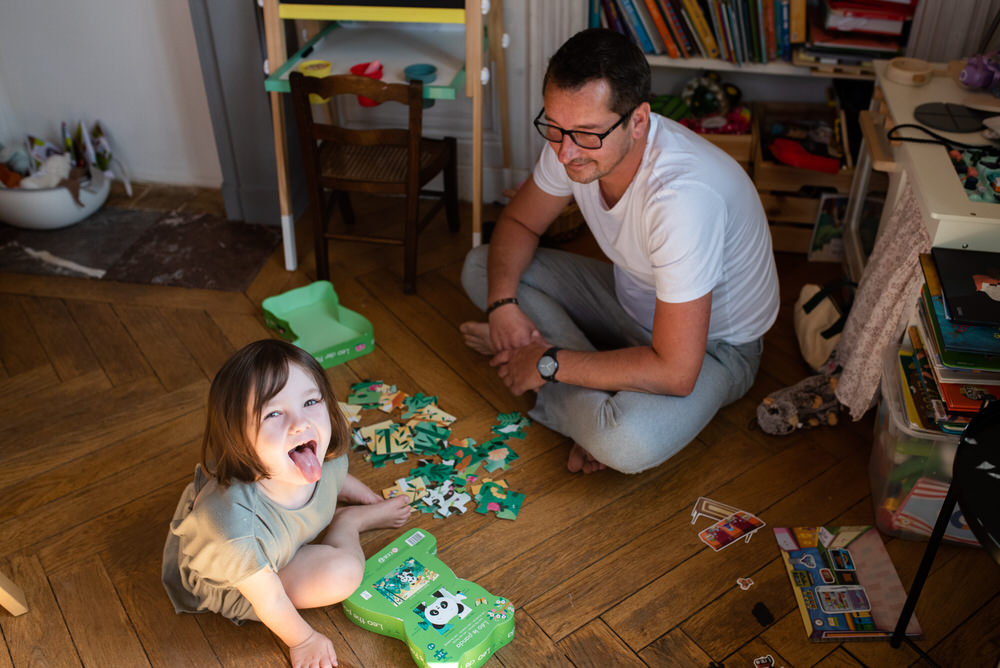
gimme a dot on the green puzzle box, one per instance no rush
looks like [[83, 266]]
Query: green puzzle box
[[410, 594], [312, 318]]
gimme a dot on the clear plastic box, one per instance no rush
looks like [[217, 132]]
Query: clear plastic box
[[910, 468]]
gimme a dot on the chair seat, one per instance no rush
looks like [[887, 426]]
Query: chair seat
[[380, 164]]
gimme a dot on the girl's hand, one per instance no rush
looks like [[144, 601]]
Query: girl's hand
[[316, 651]]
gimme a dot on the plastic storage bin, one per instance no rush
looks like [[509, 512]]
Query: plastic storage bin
[[910, 469]]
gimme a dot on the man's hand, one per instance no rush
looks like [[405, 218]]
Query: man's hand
[[316, 651], [510, 328], [518, 368]]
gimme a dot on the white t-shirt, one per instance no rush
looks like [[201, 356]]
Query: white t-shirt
[[690, 223]]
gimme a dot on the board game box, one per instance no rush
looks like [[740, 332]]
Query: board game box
[[844, 582], [410, 594]]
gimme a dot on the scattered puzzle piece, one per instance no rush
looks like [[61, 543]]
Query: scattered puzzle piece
[[511, 425], [447, 485], [416, 402], [506, 504], [499, 458], [351, 412], [412, 488], [446, 500]]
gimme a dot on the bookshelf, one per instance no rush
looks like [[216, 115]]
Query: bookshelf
[[718, 65]]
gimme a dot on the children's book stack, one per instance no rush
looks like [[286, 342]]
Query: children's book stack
[[947, 367], [951, 358]]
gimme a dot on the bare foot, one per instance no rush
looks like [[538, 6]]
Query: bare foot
[[581, 460], [389, 514], [359, 497], [477, 337]]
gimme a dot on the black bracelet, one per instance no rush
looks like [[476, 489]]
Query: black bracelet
[[500, 302]]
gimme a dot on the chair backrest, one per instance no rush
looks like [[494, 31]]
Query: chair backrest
[[312, 132]]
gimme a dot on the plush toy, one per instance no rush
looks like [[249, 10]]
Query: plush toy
[[982, 71], [807, 404]]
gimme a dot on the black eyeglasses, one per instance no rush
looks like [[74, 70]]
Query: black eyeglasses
[[583, 139]]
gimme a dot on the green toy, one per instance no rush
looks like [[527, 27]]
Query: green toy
[[312, 318], [410, 594]]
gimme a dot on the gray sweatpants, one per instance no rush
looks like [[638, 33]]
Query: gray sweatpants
[[571, 299]]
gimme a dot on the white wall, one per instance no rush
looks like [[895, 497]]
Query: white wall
[[132, 64]]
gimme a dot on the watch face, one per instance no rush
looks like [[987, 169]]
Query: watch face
[[546, 366]]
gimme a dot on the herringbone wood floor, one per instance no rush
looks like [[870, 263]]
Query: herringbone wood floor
[[103, 385]]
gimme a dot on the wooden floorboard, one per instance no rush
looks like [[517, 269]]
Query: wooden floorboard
[[104, 385]]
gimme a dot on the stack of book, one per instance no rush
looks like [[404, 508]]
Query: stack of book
[[952, 364], [739, 31], [857, 31]]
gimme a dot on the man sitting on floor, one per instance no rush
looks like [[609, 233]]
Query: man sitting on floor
[[631, 359]]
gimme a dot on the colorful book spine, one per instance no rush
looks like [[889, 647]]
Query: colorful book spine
[[635, 23], [676, 27], [701, 25], [923, 415], [613, 18], [769, 30], [784, 27], [797, 22], [662, 29], [693, 36], [647, 23], [762, 30], [736, 29], [715, 14], [943, 372], [752, 29], [685, 27], [952, 358], [594, 14]]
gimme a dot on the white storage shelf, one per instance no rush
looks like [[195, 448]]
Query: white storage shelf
[[720, 65], [396, 46]]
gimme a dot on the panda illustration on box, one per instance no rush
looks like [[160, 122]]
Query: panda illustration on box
[[442, 610]]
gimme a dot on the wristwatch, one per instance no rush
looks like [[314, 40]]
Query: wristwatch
[[548, 365]]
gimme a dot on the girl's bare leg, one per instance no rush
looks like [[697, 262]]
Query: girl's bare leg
[[328, 572]]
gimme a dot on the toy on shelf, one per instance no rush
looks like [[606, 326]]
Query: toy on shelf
[[707, 105], [312, 318], [409, 594], [982, 71]]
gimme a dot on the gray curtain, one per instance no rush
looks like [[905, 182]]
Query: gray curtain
[[946, 30]]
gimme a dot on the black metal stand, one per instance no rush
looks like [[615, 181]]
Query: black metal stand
[[944, 516]]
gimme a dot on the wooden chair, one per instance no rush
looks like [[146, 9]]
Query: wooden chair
[[393, 161]]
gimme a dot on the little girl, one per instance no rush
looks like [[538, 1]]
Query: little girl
[[273, 466]]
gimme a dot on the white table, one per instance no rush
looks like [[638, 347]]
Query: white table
[[952, 219]]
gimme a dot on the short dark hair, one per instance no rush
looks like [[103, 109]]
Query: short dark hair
[[599, 53], [254, 375]]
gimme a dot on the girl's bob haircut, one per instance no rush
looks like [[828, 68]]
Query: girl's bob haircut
[[247, 381]]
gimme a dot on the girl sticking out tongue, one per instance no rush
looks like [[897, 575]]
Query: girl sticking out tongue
[[273, 468]]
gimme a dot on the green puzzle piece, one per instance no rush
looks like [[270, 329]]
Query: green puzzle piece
[[409, 594]]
